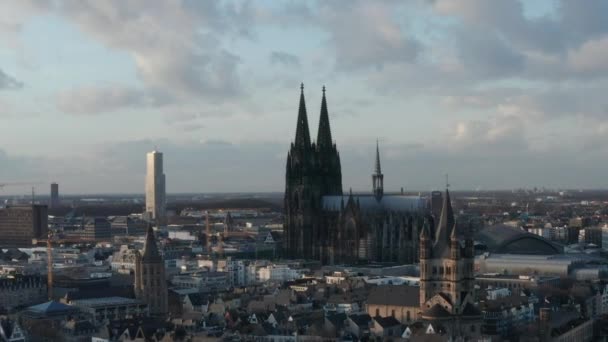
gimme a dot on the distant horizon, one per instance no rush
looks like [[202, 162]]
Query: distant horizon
[[280, 193]]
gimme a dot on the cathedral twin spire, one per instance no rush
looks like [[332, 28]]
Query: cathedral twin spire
[[324, 139]]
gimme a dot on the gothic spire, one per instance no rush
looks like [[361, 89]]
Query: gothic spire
[[446, 222], [378, 169], [302, 131], [151, 253], [378, 177], [324, 133]]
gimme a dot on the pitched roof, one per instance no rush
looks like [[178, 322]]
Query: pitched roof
[[387, 322], [444, 227], [398, 295], [436, 311], [51, 307]]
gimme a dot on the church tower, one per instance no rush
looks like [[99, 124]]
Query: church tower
[[150, 281], [447, 276], [312, 171], [300, 179], [330, 170], [378, 177]]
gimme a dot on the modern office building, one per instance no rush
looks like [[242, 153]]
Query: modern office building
[[155, 186], [20, 225], [54, 200]]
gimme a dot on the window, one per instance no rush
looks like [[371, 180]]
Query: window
[[407, 315], [393, 313], [434, 270], [377, 312], [473, 328]]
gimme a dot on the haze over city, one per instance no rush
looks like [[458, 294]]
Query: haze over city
[[502, 95]]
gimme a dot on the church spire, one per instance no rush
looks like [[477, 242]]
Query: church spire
[[151, 253], [378, 168], [446, 223], [302, 132], [378, 177], [324, 133]]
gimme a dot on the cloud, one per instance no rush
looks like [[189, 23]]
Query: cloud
[[95, 100], [284, 58], [365, 34], [176, 45], [9, 82]]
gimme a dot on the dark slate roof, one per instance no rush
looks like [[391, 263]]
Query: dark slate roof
[[337, 320], [503, 239], [399, 295], [387, 322], [471, 310], [198, 299], [361, 320], [398, 203], [436, 311]]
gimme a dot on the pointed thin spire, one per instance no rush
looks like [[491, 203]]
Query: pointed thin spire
[[377, 176], [151, 252], [324, 134], [446, 221], [302, 131], [378, 169]]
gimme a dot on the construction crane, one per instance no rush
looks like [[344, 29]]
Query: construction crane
[[49, 257], [3, 185]]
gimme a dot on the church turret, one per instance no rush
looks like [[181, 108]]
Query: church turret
[[378, 177], [425, 243], [454, 245]]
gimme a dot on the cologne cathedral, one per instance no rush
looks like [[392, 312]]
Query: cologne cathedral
[[323, 223]]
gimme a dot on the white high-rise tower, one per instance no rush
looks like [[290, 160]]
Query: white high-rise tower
[[155, 186]]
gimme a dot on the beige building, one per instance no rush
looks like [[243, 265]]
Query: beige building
[[155, 186], [398, 301]]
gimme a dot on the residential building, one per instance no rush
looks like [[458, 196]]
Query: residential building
[[111, 308]]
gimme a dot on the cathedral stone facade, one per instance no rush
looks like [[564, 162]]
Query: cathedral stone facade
[[150, 281], [324, 224]]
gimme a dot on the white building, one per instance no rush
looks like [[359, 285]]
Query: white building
[[155, 185], [278, 273]]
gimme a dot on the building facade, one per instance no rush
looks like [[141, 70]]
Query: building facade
[[54, 199], [150, 280], [155, 186], [21, 291], [323, 224], [20, 225]]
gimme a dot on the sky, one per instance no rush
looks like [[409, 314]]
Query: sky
[[498, 94]]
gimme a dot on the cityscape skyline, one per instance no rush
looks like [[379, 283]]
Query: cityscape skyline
[[496, 96]]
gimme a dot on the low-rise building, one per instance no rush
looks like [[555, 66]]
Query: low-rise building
[[202, 281], [21, 291], [111, 308]]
